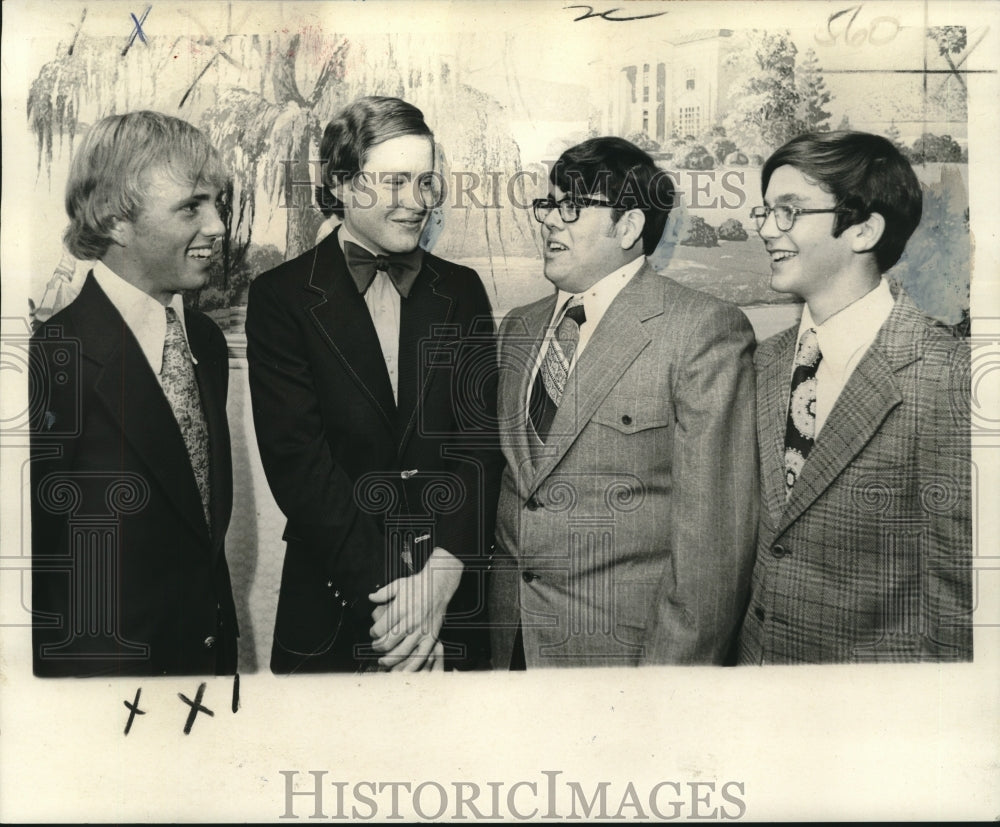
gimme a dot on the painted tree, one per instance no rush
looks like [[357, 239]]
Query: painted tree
[[950, 40], [766, 101], [264, 99], [813, 94], [951, 93], [893, 134]]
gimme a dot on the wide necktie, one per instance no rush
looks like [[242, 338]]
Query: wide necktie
[[550, 382], [181, 389], [401, 267], [800, 429]]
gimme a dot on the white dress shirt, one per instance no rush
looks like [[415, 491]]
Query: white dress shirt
[[382, 299], [144, 315], [596, 301], [844, 339]]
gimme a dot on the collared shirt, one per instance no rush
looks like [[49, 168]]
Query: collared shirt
[[844, 339], [144, 315], [383, 302], [596, 301]]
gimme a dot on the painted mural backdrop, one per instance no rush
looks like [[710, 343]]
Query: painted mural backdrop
[[709, 104]]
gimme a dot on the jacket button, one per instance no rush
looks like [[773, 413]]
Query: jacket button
[[329, 584], [626, 420], [778, 550], [528, 576], [209, 642], [759, 613], [533, 504]]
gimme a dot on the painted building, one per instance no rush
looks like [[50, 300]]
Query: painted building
[[675, 85]]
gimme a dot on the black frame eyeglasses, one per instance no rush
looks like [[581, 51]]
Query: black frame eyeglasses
[[569, 208], [785, 215]]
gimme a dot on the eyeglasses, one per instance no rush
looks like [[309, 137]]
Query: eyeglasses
[[569, 208], [784, 216]]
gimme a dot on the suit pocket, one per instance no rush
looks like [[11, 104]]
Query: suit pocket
[[630, 414], [309, 616]]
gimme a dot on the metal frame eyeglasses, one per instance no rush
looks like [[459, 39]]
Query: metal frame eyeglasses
[[784, 216], [569, 208]]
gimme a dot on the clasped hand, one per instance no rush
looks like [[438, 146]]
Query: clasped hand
[[409, 612]]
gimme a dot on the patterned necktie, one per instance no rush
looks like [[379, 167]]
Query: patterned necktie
[[800, 430], [181, 389], [550, 382], [401, 267]]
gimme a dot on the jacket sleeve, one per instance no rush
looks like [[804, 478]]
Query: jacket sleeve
[[54, 423], [475, 444], [944, 488], [701, 597], [311, 489]]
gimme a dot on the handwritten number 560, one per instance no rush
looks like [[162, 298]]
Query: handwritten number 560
[[838, 26]]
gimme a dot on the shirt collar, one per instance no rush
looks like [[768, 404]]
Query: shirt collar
[[598, 297], [852, 328], [344, 235], [144, 315]]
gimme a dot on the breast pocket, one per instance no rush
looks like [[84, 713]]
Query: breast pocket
[[632, 414]]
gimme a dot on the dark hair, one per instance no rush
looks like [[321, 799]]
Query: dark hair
[[356, 129], [107, 181], [622, 173], [866, 174]]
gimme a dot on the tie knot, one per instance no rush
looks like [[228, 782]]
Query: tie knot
[[575, 311], [808, 353]]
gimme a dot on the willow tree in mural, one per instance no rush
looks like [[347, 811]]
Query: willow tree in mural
[[264, 100]]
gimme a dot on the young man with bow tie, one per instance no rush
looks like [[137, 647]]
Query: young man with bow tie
[[626, 518], [864, 544], [131, 475], [373, 381]]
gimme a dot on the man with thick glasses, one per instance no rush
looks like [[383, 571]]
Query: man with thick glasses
[[626, 520], [372, 375], [864, 541]]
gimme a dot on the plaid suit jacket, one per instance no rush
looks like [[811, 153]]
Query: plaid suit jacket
[[870, 557], [627, 538]]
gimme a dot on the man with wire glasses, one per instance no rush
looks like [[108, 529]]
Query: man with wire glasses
[[864, 542], [373, 381], [626, 519]]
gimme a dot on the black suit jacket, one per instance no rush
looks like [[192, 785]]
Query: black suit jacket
[[359, 478], [127, 579]]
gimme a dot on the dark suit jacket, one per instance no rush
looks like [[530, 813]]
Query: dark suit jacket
[[628, 537], [870, 558], [126, 577], [359, 478]]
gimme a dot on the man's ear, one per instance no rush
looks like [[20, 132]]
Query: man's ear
[[629, 228], [866, 234], [120, 232]]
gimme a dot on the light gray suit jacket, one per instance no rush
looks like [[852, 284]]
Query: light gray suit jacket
[[870, 558], [628, 537]]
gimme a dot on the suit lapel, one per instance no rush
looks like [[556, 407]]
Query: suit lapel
[[133, 398], [518, 354], [344, 322], [427, 305], [208, 372], [773, 385], [871, 392], [618, 339]]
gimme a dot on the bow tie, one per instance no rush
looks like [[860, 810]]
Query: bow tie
[[401, 267]]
